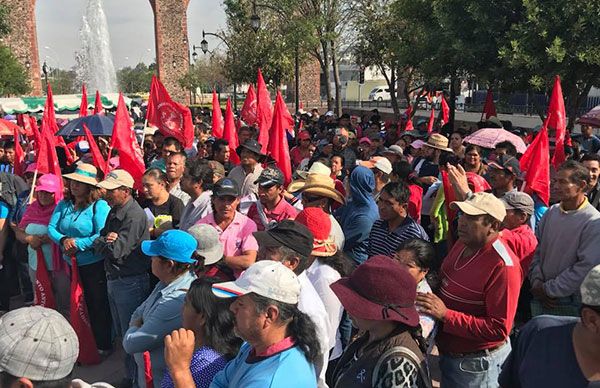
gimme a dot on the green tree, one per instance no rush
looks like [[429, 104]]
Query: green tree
[[555, 37], [13, 76], [135, 80], [63, 81], [206, 74]]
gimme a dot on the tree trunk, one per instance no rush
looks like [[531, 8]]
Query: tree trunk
[[575, 98], [336, 79], [394, 92], [325, 68], [452, 102]]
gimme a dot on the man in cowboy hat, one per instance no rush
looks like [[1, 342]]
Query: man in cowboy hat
[[503, 174], [432, 149], [247, 173], [480, 282], [271, 206], [318, 190]]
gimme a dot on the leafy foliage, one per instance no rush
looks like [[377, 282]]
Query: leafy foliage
[[137, 79], [13, 76]]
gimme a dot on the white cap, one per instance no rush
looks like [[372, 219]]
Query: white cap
[[384, 165], [267, 278], [37, 343]]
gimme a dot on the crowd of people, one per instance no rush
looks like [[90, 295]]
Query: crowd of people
[[388, 251]]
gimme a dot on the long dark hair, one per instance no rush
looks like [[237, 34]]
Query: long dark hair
[[218, 329], [300, 327]]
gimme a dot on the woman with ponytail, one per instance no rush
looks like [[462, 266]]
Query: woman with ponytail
[[380, 297]]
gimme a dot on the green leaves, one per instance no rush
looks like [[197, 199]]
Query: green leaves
[[13, 76]]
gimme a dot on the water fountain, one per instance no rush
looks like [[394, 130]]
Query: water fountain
[[94, 60]]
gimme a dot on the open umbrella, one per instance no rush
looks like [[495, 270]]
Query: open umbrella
[[7, 128], [99, 125], [591, 118], [489, 137]]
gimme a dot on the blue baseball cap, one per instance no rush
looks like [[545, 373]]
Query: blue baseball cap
[[175, 245]]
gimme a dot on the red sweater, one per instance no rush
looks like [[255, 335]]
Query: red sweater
[[481, 298], [522, 242]]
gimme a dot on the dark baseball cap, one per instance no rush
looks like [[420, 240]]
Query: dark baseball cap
[[226, 187], [507, 163], [270, 176], [290, 234]]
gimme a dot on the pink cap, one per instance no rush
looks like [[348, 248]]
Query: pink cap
[[417, 144], [31, 168], [365, 140], [49, 183]]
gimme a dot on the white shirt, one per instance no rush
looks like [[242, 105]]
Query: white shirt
[[310, 304], [177, 192], [322, 276], [195, 210]]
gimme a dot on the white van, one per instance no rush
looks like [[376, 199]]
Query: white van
[[380, 93]]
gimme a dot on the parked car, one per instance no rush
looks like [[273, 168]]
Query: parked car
[[380, 93]]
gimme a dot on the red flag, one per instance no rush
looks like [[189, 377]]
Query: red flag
[[19, 154], [409, 124], [248, 112], [264, 112], [558, 121], [60, 141], [489, 109], [230, 134], [49, 117], [535, 164], [47, 161], [83, 107], [288, 120], [96, 154], [98, 110], [123, 140], [217, 117], [431, 121], [23, 122], [35, 133], [445, 111], [278, 147], [88, 353], [171, 118], [43, 287]]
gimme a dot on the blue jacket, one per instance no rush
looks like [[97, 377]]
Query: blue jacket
[[160, 314], [83, 225], [357, 217]]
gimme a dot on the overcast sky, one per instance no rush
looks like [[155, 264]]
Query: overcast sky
[[130, 24]]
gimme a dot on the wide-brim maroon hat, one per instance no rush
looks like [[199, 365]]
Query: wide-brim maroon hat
[[380, 289]]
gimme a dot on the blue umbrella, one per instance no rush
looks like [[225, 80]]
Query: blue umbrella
[[99, 125]]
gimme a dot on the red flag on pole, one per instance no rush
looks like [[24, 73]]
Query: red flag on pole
[[171, 118], [98, 110], [43, 287], [123, 140], [409, 124], [489, 109], [47, 161], [431, 121], [23, 122], [88, 353], [558, 122], [60, 141], [19, 154], [230, 134], [278, 147], [49, 117], [264, 112], [83, 107], [445, 110], [535, 164], [96, 154], [248, 112], [217, 117], [37, 137]]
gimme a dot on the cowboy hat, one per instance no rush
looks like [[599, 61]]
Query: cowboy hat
[[439, 142], [85, 173], [317, 184]]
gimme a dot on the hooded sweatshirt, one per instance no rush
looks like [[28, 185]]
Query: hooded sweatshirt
[[358, 215]]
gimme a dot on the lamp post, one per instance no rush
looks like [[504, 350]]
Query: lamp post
[[255, 23], [204, 47], [45, 71]]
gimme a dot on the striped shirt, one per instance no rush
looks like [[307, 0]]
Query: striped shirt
[[384, 242]]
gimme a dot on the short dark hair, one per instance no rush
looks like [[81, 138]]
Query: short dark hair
[[287, 253], [169, 141], [157, 174], [216, 146], [7, 380], [422, 250], [590, 158], [9, 145], [398, 190], [579, 173], [178, 153], [508, 146], [199, 170]]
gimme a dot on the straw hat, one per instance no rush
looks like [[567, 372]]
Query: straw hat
[[317, 184], [315, 168], [439, 142], [85, 173]]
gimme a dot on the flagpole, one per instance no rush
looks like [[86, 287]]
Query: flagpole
[[35, 174]]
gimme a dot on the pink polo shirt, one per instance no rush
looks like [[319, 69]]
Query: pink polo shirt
[[237, 238], [282, 211]]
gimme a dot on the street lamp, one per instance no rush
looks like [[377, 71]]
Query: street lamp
[[204, 48], [27, 64], [204, 44], [254, 19], [45, 71]]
